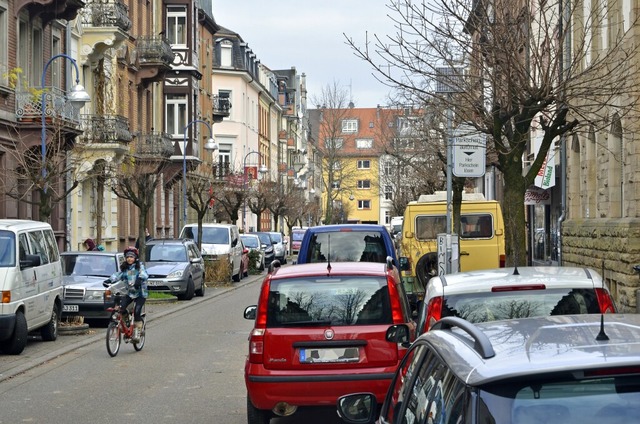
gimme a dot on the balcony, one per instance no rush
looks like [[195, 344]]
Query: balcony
[[154, 59], [105, 25], [57, 108], [153, 145], [221, 108], [49, 10], [105, 129]]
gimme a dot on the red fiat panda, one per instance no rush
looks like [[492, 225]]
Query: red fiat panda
[[319, 333]]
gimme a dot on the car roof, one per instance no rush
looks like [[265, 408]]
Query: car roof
[[89, 252], [535, 346], [346, 227], [484, 280], [249, 235], [337, 268]]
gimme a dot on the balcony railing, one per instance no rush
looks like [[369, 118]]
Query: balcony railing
[[154, 49], [56, 104], [221, 171], [106, 14], [105, 129], [155, 145]]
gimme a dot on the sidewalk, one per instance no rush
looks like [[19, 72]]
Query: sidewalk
[[38, 352]]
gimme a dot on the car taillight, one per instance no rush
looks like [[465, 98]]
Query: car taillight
[[503, 261], [394, 297], [256, 337], [497, 289], [434, 312], [605, 301]]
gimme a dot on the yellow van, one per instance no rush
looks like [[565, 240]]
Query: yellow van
[[481, 233]]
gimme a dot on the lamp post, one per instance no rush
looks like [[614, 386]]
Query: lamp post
[[78, 98], [209, 145], [261, 169]]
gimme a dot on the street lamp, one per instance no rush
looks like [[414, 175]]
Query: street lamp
[[209, 145], [262, 169], [78, 98]]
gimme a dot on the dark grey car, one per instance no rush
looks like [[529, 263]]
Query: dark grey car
[[175, 266], [547, 370], [83, 274]]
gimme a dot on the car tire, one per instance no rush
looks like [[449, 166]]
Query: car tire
[[201, 290], [18, 341], [426, 268], [257, 416], [188, 294], [49, 332]]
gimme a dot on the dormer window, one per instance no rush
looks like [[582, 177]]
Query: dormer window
[[350, 126]]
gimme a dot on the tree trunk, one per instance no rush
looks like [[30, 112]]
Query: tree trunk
[[514, 214]]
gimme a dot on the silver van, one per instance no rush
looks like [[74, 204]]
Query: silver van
[[219, 241], [30, 283]]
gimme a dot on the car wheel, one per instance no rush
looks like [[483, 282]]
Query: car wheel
[[426, 268], [50, 331], [257, 416], [18, 341], [188, 294], [200, 291]]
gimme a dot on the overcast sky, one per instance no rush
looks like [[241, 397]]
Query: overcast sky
[[308, 35]]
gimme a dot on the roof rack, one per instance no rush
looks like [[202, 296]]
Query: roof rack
[[481, 342]]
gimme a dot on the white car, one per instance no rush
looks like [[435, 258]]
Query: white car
[[506, 293], [279, 246], [252, 242]]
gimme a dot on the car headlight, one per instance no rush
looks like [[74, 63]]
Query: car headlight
[[269, 249], [176, 274], [94, 295]]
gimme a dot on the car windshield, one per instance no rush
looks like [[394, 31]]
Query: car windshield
[[166, 253], [264, 238], [347, 246], [7, 249], [339, 301], [601, 400], [481, 307], [276, 237], [210, 235], [251, 242], [297, 235], [89, 265]]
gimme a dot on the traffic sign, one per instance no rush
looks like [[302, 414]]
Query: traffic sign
[[469, 152]]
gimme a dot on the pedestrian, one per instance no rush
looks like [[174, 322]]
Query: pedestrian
[[90, 245], [147, 237], [135, 276]]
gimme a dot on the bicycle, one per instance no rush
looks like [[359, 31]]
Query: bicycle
[[119, 327]]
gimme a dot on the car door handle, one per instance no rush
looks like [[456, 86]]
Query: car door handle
[[464, 253]]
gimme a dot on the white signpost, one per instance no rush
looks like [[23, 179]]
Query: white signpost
[[469, 152]]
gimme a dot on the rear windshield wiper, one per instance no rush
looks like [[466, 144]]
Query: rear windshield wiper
[[306, 323]]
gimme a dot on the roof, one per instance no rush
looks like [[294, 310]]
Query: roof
[[21, 224], [337, 268], [347, 227], [541, 345]]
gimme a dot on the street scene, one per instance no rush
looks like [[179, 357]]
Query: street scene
[[338, 212]]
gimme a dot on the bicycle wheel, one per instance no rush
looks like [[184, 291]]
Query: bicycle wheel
[[139, 345], [113, 338]]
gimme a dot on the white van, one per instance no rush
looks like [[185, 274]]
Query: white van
[[30, 283], [219, 241]]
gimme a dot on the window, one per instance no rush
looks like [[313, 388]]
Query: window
[[176, 114], [350, 126], [224, 101], [364, 184], [177, 25], [364, 143], [333, 143], [335, 184], [388, 192], [226, 49], [428, 227], [23, 49], [56, 65], [37, 53], [364, 164], [4, 43], [335, 166], [364, 204], [224, 160]]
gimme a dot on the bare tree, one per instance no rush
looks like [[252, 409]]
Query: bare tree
[[515, 71], [258, 199], [229, 196], [200, 196]]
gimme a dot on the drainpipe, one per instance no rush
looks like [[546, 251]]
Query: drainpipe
[[565, 57]]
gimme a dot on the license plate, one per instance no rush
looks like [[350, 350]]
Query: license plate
[[329, 355], [70, 308], [154, 283]]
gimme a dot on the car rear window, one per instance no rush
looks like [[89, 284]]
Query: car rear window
[[297, 235], [482, 307], [338, 301], [347, 246], [471, 226], [7, 249]]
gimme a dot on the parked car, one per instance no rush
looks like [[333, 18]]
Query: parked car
[[522, 292], [219, 242], [347, 243], [552, 370], [319, 333], [245, 261], [279, 246], [266, 244], [82, 277], [252, 242], [296, 239], [175, 266]]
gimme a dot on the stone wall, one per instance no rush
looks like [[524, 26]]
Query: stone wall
[[612, 248]]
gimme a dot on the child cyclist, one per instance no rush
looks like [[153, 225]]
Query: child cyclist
[[135, 276]]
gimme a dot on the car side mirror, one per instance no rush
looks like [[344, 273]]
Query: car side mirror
[[398, 333], [357, 408], [250, 312], [404, 263]]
